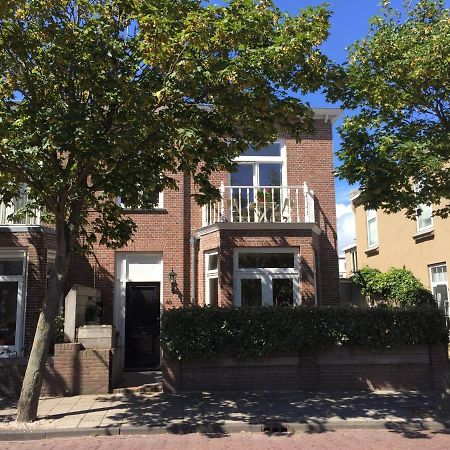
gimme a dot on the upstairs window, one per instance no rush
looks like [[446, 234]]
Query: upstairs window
[[158, 200], [424, 218], [372, 228], [264, 167]]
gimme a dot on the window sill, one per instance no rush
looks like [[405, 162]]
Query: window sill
[[145, 211], [372, 251], [424, 235]]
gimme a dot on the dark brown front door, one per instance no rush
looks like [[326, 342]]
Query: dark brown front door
[[142, 325]]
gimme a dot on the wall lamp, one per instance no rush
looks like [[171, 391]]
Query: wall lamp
[[173, 280]]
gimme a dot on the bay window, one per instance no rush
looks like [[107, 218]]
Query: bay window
[[266, 276]]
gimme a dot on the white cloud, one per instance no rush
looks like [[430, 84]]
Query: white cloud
[[345, 225], [342, 210]]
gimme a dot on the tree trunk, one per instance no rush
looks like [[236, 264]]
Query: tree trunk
[[32, 383]]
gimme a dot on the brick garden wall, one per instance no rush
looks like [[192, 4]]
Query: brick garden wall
[[405, 368], [73, 370]]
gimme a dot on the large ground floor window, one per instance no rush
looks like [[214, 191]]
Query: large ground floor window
[[266, 276], [12, 299]]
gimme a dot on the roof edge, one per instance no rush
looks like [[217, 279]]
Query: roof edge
[[327, 114]]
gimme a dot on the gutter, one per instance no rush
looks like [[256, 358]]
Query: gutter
[[193, 242]]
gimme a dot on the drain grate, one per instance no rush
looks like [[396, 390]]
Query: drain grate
[[274, 429]]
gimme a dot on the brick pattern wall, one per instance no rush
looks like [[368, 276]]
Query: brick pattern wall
[[307, 371], [74, 370], [300, 240], [169, 232], [311, 161]]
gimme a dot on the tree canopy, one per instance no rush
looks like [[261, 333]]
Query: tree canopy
[[116, 96], [102, 99], [397, 80]]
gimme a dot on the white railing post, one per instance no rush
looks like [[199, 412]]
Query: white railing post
[[312, 214], [222, 204], [306, 201], [231, 205], [268, 204], [205, 215]]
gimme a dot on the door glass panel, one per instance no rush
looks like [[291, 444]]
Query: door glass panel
[[8, 311], [11, 267], [243, 199], [270, 174], [283, 291], [266, 260], [243, 175], [251, 292], [269, 200]]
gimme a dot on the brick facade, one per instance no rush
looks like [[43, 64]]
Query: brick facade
[[74, 370], [169, 231]]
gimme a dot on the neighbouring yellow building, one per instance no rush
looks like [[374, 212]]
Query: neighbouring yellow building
[[392, 240]]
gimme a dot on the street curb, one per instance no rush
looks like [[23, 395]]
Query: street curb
[[309, 426]]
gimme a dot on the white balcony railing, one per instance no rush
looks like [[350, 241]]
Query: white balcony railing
[[261, 204], [24, 219]]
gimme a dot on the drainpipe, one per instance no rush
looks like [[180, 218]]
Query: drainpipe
[[193, 242]]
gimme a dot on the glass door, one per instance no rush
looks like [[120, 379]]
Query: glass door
[[256, 192]]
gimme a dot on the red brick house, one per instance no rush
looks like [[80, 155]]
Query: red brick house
[[271, 240]]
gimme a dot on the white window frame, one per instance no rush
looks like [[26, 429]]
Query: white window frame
[[210, 274], [371, 215], [354, 261], [160, 204], [429, 227], [433, 284], [266, 275], [15, 255], [255, 160]]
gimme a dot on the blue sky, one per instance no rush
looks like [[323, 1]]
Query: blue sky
[[349, 22]]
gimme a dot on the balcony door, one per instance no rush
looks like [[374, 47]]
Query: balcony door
[[256, 194]]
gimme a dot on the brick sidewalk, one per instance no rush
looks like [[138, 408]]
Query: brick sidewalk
[[343, 439], [228, 412]]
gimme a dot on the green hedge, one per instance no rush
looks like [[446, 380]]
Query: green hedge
[[198, 333]]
